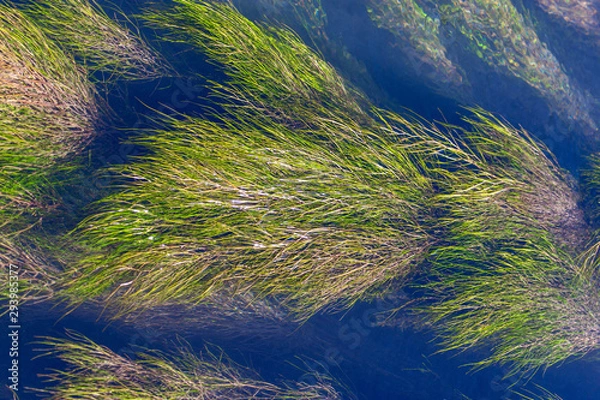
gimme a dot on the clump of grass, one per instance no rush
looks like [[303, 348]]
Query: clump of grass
[[47, 109], [83, 29], [309, 19], [47, 112], [581, 14], [504, 275], [487, 157], [48, 106], [36, 274], [515, 296], [294, 193], [297, 192], [219, 207], [277, 72], [418, 37], [507, 41], [97, 372]]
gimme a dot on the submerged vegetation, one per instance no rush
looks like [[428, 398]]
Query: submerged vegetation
[[295, 192], [293, 195], [581, 14], [506, 40], [419, 38], [501, 274], [48, 114], [48, 109], [99, 43], [97, 372]]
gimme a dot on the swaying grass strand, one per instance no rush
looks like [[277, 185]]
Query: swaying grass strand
[[97, 372]]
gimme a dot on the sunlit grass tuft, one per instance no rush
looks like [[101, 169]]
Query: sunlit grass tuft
[[504, 275], [294, 193], [94, 371], [47, 113], [82, 28]]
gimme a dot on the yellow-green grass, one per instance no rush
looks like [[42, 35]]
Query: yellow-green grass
[[27, 274], [82, 28], [299, 192], [95, 372], [308, 18], [295, 192], [48, 115], [538, 393], [253, 208], [506, 276]]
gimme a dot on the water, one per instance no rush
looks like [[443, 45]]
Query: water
[[374, 363]]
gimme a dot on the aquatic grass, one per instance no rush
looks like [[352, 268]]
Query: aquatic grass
[[36, 274], [45, 116], [517, 300], [504, 273], [300, 193], [231, 207], [94, 371], [539, 393], [504, 276], [47, 109], [417, 34], [294, 192], [278, 73], [83, 28], [487, 157], [507, 41], [309, 19], [46, 113], [581, 14]]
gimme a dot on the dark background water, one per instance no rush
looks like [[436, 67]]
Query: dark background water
[[374, 363]]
